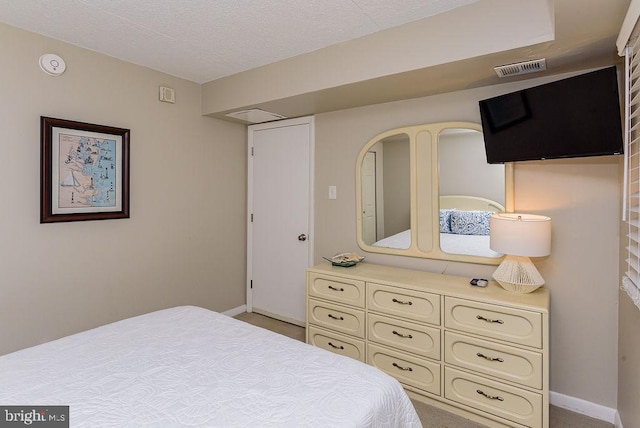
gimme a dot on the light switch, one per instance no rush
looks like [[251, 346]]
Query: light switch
[[333, 193]]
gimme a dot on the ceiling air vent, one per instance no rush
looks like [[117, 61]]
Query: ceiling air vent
[[255, 115], [524, 67]]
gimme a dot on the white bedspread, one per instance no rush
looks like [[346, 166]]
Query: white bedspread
[[400, 240], [189, 366], [472, 245]]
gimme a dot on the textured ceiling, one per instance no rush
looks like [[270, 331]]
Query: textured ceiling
[[203, 40], [303, 57]]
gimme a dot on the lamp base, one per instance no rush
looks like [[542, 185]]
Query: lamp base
[[518, 275]]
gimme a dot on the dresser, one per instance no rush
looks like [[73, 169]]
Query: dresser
[[482, 353]]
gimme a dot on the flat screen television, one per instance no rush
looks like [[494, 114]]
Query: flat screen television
[[574, 117]]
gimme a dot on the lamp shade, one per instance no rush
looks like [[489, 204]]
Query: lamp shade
[[525, 235]]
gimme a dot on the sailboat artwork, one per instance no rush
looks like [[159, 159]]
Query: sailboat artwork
[[70, 180], [83, 171]]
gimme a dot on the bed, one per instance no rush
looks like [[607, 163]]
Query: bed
[[188, 366], [464, 227], [467, 229]]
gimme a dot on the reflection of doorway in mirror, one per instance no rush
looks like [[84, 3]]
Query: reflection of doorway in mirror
[[397, 188], [369, 198], [385, 196]]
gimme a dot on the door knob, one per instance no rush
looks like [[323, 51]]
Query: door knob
[[302, 237]]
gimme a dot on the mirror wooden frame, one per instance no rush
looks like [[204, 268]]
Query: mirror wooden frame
[[424, 189]]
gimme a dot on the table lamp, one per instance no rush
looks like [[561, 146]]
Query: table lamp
[[518, 237]]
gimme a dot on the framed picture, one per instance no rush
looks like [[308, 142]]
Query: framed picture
[[84, 171]]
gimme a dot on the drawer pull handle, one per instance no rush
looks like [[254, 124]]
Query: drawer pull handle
[[331, 287], [490, 397], [333, 317], [480, 317], [500, 360], [407, 336], [394, 300], [336, 347], [407, 369]]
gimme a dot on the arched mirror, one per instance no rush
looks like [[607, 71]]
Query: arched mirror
[[427, 191]]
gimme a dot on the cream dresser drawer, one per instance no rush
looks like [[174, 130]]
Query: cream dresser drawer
[[334, 317], [404, 303], [504, 362], [413, 371], [405, 336], [514, 404], [341, 290], [509, 324], [334, 342], [482, 353]]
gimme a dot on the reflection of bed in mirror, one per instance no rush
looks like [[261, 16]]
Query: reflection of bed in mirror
[[469, 203], [400, 240], [464, 226]]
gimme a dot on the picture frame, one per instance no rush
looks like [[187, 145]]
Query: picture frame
[[84, 171]]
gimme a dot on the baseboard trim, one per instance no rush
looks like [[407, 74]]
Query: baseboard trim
[[278, 317], [586, 408], [235, 311]]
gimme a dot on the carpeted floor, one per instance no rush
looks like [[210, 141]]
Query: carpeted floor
[[430, 416]]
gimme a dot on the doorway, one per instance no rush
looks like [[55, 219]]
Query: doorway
[[280, 217]]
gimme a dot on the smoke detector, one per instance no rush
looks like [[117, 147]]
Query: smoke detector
[[52, 64], [523, 67]]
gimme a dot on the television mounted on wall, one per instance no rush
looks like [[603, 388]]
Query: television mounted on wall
[[574, 117]]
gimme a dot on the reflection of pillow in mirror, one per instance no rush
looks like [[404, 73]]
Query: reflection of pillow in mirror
[[445, 221], [470, 222]]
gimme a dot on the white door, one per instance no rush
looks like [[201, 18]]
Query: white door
[[280, 217], [369, 220]]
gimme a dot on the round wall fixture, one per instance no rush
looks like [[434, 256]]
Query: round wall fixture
[[52, 64]]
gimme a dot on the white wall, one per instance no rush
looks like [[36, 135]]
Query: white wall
[[581, 196], [185, 240], [463, 170], [628, 358]]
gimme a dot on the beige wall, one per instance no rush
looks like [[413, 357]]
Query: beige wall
[[185, 240], [581, 196], [463, 169], [628, 358]]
